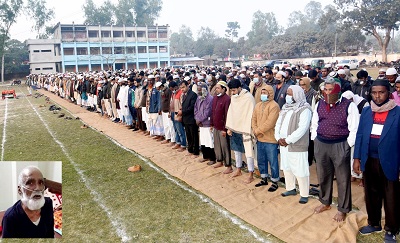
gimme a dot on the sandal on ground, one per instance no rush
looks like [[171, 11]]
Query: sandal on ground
[[273, 187]]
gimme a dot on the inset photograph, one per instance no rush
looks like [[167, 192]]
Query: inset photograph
[[31, 200]]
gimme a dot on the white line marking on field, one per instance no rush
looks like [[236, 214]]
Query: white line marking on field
[[3, 141], [118, 227], [235, 220]]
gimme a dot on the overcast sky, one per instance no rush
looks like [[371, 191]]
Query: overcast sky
[[193, 13]]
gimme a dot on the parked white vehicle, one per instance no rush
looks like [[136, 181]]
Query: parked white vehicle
[[282, 64], [352, 63]]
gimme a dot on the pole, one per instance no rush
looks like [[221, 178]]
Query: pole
[[335, 44]]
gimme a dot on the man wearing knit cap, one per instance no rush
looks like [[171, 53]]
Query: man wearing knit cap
[[362, 86], [219, 113], [376, 155], [333, 129], [315, 79]]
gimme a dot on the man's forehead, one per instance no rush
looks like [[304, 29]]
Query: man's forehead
[[32, 174]]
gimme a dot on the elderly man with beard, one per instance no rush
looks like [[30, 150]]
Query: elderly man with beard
[[238, 123], [334, 127], [32, 216], [122, 98], [292, 134], [202, 114], [376, 154]]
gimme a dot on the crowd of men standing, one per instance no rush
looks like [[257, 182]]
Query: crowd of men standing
[[348, 125]]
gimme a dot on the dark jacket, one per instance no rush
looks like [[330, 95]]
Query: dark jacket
[[315, 84], [389, 142], [165, 99], [362, 90], [107, 90], [280, 95], [155, 101], [188, 108]]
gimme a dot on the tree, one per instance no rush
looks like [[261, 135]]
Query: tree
[[40, 14], [205, 42], [16, 60], [182, 42], [126, 12], [9, 11], [264, 27], [98, 15], [232, 30], [373, 16]]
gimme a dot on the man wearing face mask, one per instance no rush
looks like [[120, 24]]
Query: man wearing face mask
[[291, 132], [238, 123], [32, 216], [263, 121], [256, 86], [280, 89], [334, 127], [362, 86]]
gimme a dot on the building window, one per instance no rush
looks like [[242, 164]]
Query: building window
[[94, 50], [81, 51], [36, 50], [106, 50], [152, 49], [142, 49], [130, 34], [119, 50], [69, 51], [118, 34], [47, 68], [141, 34], [162, 35], [152, 35], [93, 34], [46, 50], [163, 49], [130, 50], [106, 34]]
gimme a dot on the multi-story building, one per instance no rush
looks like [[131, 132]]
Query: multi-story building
[[80, 48]]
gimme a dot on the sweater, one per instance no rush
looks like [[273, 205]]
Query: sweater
[[219, 112], [263, 121]]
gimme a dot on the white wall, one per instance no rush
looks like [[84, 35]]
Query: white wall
[[9, 171]]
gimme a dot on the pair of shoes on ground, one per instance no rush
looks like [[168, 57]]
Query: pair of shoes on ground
[[369, 229], [303, 200], [264, 182]]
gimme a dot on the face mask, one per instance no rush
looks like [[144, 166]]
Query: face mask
[[255, 80], [289, 99], [219, 95], [297, 80], [264, 97], [361, 82]]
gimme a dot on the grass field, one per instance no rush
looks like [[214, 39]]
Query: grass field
[[105, 203]]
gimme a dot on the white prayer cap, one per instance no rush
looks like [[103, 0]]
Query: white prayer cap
[[120, 80], [175, 77], [150, 76], [282, 73], [158, 84], [187, 78], [391, 71], [341, 71]]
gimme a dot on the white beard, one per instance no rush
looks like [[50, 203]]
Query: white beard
[[31, 203]]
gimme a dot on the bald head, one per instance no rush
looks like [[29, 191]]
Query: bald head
[[30, 175]]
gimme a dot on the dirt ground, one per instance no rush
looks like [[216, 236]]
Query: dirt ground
[[281, 216]]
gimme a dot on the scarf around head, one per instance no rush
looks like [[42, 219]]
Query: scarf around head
[[299, 98], [333, 97]]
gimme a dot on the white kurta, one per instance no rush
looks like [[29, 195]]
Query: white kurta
[[123, 100], [296, 162], [206, 137]]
